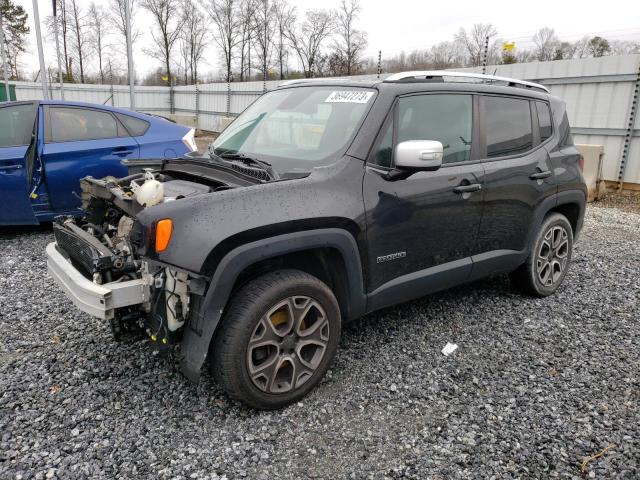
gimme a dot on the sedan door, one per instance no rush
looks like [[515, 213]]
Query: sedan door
[[17, 124], [81, 141], [421, 230]]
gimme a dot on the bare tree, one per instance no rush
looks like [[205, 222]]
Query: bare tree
[[474, 41], [118, 20], [194, 39], [351, 41], [98, 21], [224, 16], [446, 55], [78, 24], [246, 23], [308, 38], [581, 48], [285, 18], [169, 24], [265, 29], [546, 42]]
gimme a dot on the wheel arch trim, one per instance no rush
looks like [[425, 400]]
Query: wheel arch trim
[[195, 344]]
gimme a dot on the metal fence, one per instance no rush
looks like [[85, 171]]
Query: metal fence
[[599, 92]]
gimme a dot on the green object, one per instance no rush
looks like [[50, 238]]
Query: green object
[[3, 92]]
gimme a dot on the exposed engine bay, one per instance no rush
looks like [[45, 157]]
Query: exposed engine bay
[[109, 246]]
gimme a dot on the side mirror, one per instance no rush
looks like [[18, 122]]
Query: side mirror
[[419, 155]]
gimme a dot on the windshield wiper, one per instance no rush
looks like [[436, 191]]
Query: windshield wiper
[[251, 161]]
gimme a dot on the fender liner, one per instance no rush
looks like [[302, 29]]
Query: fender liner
[[205, 320]]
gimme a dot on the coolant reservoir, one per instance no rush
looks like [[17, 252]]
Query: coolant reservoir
[[150, 193]]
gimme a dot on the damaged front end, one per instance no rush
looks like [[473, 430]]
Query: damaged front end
[[102, 262]]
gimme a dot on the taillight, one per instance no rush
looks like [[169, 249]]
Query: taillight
[[581, 162], [164, 229], [190, 141]]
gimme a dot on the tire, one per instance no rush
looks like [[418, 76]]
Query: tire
[[277, 339], [553, 243]]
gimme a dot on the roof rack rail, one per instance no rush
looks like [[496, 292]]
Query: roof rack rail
[[439, 75]]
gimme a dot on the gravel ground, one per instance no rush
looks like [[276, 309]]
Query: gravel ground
[[535, 387]]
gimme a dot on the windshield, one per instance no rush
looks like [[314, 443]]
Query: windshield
[[297, 128]]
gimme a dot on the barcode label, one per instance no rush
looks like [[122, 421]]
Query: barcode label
[[349, 96]]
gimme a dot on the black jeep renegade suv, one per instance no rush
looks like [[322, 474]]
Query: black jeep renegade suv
[[323, 201]]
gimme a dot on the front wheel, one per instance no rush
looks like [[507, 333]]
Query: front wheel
[[277, 339], [549, 258]]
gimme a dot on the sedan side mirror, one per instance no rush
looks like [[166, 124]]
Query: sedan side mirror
[[419, 155]]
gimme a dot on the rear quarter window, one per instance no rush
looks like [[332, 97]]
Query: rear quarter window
[[544, 120], [135, 126]]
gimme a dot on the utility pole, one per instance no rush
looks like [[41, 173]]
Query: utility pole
[[379, 62], [56, 33], [43, 70], [4, 59], [132, 95]]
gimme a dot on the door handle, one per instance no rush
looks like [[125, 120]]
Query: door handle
[[540, 175], [5, 168], [474, 187]]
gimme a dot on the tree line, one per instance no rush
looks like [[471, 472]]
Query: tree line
[[259, 39]]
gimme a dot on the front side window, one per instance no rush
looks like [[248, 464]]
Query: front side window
[[297, 128], [507, 124], [16, 125], [445, 118], [544, 120], [68, 124]]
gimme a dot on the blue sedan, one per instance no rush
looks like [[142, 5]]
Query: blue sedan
[[46, 147]]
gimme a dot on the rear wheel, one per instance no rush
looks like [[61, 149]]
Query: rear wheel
[[549, 258], [277, 339]]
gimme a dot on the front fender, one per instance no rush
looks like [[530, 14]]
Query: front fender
[[205, 319]]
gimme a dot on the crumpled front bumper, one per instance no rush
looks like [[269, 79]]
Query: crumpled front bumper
[[98, 300]]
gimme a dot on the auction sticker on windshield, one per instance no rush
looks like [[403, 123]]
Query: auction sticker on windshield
[[349, 96]]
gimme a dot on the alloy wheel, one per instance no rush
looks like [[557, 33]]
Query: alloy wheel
[[288, 344], [552, 255]]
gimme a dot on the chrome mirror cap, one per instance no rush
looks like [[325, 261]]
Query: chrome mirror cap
[[419, 155]]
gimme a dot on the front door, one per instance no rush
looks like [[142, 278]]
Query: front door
[[421, 231], [81, 142], [17, 123]]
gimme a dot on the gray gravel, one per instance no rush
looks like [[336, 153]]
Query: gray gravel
[[535, 387]]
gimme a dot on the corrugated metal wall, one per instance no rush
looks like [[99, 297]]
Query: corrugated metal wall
[[598, 93], [148, 99]]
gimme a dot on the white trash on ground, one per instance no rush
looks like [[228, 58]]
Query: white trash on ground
[[449, 348]]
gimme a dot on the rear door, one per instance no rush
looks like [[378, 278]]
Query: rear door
[[17, 124], [81, 141], [518, 177]]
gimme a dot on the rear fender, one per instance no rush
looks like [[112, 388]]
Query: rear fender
[[205, 319]]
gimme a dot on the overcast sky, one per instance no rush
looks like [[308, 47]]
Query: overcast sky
[[394, 26]]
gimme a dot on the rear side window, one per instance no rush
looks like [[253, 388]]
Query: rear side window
[[16, 125], [544, 120], [507, 124], [445, 118], [135, 126], [70, 124]]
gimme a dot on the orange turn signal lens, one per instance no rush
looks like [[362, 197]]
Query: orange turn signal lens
[[164, 229]]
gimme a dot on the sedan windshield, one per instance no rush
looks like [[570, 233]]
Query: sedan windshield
[[297, 128]]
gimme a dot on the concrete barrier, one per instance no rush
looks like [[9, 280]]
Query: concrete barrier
[[593, 155]]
